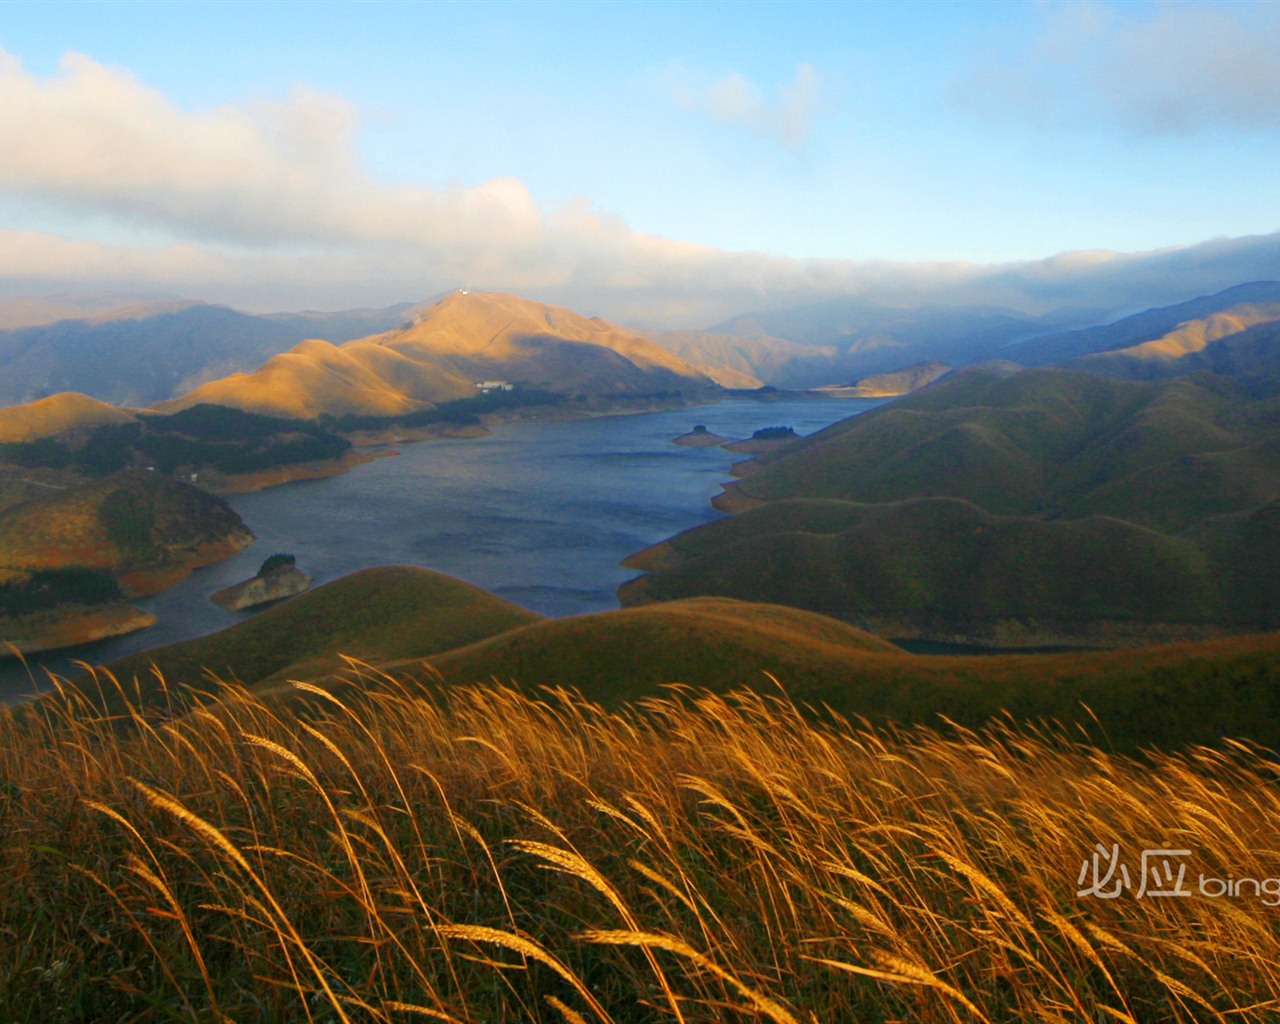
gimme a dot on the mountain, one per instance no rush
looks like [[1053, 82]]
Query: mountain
[[140, 354], [33, 310], [316, 377], [848, 338], [902, 381], [737, 362], [450, 347], [1241, 342], [1152, 325], [1037, 509]]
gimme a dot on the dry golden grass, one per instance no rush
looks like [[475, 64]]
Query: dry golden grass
[[485, 856], [67, 410]]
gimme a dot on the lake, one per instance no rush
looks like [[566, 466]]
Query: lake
[[540, 513]]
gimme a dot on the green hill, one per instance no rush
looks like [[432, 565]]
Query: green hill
[[1042, 442], [1167, 696], [417, 629], [1044, 508], [71, 553], [391, 613], [704, 642], [947, 570]]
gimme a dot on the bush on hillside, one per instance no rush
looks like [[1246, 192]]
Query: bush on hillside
[[48, 588], [274, 562]]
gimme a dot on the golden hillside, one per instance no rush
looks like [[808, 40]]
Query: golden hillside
[[315, 377], [493, 326], [455, 343], [68, 410], [1194, 336], [145, 529]]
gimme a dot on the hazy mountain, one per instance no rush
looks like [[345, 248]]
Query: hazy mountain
[[1242, 342], [844, 339], [1140, 328], [1041, 508], [457, 342], [737, 362], [139, 354], [33, 310], [902, 381]]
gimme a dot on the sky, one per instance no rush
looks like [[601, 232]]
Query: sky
[[661, 163]]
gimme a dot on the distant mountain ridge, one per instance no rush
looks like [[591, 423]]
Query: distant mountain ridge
[[853, 338], [34, 310], [134, 355], [1139, 328]]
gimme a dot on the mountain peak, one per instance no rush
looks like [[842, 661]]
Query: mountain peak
[[497, 326]]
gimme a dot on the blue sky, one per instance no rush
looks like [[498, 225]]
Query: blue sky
[[680, 159]]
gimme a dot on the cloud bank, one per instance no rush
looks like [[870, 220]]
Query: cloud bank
[[264, 205]]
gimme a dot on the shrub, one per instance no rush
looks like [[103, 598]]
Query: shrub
[[274, 562], [773, 434]]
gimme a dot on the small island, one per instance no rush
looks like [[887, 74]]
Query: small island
[[278, 577], [700, 437], [766, 439]]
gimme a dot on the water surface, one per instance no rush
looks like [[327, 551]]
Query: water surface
[[540, 513]]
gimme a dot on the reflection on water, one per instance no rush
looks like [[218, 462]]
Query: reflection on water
[[540, 513]]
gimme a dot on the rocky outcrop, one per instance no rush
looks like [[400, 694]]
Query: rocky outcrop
[[276, 585]]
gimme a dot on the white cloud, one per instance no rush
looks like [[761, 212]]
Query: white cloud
[[1168, 69], [283, 172], [733, 100], [265, 205]]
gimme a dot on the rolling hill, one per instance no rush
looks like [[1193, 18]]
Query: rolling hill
[[393, 613], [71, 556], [414, 628], [1046, 508], [58, 414]]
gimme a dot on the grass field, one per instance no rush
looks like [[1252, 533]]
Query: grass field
[[483, 855], [418, 626]]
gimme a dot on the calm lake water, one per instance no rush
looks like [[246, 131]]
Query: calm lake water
[[540, 513]]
